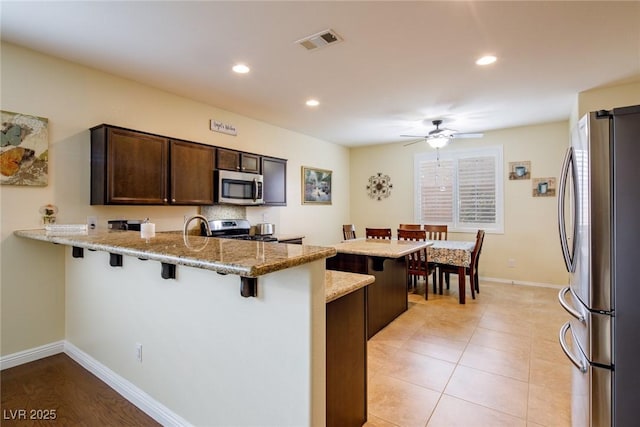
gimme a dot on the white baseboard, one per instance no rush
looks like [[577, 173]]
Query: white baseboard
[[128, 390], [521, 282], [26, 356]]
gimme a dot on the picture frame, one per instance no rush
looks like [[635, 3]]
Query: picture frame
[[544, 187], [24, 151], [316, 186], [520, 170]]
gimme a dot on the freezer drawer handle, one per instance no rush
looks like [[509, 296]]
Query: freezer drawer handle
[[566, 305], [578, 363]]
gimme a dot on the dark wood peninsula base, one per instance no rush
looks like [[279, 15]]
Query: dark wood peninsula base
[[347, 361], [386, 298]]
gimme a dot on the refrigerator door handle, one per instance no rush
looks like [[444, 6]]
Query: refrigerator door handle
[[563, 302], [565, 348], [568, 255]]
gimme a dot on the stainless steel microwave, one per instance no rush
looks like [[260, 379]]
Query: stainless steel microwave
[[238, 188]]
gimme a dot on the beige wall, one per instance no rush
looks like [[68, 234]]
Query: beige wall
[[75, 98], [607, 98], [530, 237]]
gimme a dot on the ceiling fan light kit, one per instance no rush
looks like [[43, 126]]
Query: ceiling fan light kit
[[438, 141], [440, 137]]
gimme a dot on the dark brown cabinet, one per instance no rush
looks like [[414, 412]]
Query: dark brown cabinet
[[136, 168], [191, 172], [128, 168], [274, 172], [347, 361], [387, 296], [238, 161]]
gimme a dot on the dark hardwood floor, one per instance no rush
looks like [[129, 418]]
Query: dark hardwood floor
[[56, 391]]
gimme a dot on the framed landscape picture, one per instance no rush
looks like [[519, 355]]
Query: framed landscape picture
[[316, 186]]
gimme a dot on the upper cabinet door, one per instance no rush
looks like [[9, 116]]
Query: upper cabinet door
[[191, 173], [274, 173], [128, 167], [238, 161], [249, 163], [228, 159]]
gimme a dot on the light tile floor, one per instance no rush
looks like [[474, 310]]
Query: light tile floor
[[494, 361]]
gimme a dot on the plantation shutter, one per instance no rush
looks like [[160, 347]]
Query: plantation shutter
[[477, 190], [436, 191]]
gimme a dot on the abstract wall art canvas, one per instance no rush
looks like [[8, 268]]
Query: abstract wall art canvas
[[24, 149]]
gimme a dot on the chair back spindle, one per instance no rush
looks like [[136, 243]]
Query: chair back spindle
[[378, 233], [349, 231]]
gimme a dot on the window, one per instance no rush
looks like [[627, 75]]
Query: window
[[461, 188]]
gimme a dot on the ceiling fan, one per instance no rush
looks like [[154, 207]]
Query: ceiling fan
[[439, 137]]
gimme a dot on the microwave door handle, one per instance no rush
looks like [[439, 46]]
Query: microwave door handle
[[566, 167], [565, 348], [255, 189]]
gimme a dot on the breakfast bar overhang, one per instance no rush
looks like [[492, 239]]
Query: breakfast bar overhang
[[207, 355]]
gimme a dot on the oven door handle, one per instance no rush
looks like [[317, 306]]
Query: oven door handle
[[565, 348], [563, 302]]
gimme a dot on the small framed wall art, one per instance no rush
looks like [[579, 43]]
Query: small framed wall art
[[544, 187], [520, 170], [316, 186]]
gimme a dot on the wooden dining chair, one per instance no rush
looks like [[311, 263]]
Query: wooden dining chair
[[436, 232], [471, 271], [349, 231], [378, 233], [410, 227], [417, 262]]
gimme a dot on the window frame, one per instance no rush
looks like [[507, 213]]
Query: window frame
[[455, 155]]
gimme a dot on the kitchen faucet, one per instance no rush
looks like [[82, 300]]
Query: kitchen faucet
[[200, 217]]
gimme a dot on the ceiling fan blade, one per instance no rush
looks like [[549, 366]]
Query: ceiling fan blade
[[413, 142], [467, 135], [414, 136]]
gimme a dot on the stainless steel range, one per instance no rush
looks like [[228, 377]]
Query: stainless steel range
[[234, 229]]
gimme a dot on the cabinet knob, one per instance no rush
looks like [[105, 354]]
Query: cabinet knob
[[173, 200], [165, 200]]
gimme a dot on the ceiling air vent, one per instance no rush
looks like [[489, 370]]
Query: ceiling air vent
[[318, 40]]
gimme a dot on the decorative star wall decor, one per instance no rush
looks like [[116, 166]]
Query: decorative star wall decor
[[379, 186]]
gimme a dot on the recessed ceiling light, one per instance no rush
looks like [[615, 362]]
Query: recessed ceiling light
[[312, 102], [241, 69], [486, 60]]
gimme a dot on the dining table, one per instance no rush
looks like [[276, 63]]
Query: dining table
[[456, 253]]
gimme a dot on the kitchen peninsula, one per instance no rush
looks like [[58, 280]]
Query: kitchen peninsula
[[166, 315], [385, 260]]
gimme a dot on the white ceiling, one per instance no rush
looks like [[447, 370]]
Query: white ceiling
[[400, 62]]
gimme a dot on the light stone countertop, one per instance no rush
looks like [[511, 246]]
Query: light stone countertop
[[340, 283], [228, 256], [387, 248]]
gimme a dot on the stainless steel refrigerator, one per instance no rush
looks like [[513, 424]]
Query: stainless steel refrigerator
[[599, 224]]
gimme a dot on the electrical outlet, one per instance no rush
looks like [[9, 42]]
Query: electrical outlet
[[92, 222], [511, 263], [139, 352]]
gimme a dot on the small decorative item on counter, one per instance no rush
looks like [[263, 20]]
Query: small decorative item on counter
[[48, 213], [147, 229]]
